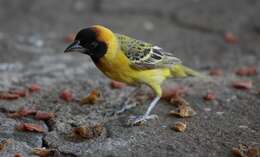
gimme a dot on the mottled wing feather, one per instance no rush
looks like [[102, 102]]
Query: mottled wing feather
[[144, 55]]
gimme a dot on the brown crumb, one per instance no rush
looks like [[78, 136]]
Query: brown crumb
[[21, 93], [245, 151], [4, 143], [179, 101], [92, 98], [30, 127], [43, 152], [242, 85], [179, 126], [66, 95], [8, 96], [18, 155], [216, 72], [117, 85], [42, 115], [246, 71], [89, 131], [184, 111], [210, 96], [230, 38], [23, 111]]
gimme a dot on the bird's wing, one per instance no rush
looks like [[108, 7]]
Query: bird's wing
[[144, 55]]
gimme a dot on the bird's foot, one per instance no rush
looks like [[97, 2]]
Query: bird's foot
[[140, 120]]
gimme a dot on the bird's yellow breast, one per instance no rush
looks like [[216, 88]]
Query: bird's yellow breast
[[118, 68]]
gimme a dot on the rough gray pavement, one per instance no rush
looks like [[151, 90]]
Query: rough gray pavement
[[31, 51]]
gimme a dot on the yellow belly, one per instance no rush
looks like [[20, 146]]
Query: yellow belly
[[119, 69]]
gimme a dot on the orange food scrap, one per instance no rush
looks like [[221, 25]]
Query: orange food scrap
[[246, 71], [88, 131], [43, 152], [210, 96], [92, 98], [34, 88], [216, 72], [8, 96], [242, 85], [23, 111], [180, 126], [117, 85], [230, 38], [66, 95], [30, 127], [21, 93], [42, 115], [69, 38], [18, 155]]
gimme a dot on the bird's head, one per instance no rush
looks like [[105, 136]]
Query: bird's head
[[93, 41]]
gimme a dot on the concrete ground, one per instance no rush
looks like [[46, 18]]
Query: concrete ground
[[31, 51]]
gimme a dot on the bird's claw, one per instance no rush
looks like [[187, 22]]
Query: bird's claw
[[140, 120]]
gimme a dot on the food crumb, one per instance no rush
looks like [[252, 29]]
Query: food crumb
[[245, 151], [216, 72], [117, 85], [246, 71], [180, 126], [4, 143], [66, 95], [243, 85], [92, 98], [43, 152], [30, 127], [88, 131]]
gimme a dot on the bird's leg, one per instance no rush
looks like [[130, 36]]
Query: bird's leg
[[134, 120], [127, 103]]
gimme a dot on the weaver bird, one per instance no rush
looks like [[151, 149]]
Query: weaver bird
[[128, 60]]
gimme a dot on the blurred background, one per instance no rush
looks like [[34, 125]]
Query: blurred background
[[203, 33]]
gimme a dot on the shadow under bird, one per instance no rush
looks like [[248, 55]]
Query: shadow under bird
[[131, 61]]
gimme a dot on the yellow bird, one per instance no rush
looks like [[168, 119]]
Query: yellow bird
[[128, 60]]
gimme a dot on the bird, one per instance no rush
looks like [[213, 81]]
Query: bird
[[134, 62]]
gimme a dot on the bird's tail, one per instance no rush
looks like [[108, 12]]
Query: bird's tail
[[179, 70]]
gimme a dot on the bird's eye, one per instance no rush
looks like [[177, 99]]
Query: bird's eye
[[93, 44]]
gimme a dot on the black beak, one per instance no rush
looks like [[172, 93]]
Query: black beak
[[75, 47]]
